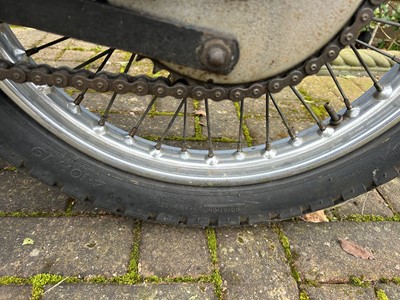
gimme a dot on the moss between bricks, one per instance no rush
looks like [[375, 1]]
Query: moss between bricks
[[284, 240], [216, 277], [315, 105], [7, 280], [304, 295], [245, 129], [381, 294], [371, 218], [132, 276], [359, 281]]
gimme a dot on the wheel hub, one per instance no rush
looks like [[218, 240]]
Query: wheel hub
[[273, 36]]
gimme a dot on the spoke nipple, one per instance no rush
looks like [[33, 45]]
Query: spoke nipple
[[102, 121], [335, 118], [133, 131], [379, 88], [79, 99]]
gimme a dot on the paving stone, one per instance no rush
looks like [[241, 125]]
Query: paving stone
[[69, 246], [22, 193], [391, 290], [28, 36], [168, 251], [15, 292], [134, 105], [352, 90], [364, 83], [170, 104], [153, 125], [349, 85], [253, 265], [277, 129], [320, 258], [181, 291], [391, 193], [340, 291], [78, 44], [319, 93], [370, 203], [72, 58], [223, 119]]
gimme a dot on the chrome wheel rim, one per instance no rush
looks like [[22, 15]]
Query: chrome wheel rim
[[372, 114]]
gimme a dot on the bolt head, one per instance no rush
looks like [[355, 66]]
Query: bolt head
[[215, 55]]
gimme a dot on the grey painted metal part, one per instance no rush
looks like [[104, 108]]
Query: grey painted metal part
[[273, 35]]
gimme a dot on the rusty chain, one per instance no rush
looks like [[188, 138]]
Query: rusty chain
[[62, 77]]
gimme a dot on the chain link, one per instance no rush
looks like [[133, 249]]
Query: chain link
[[62, 77]]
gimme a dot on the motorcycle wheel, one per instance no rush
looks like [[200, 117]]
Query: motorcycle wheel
[[61, 143]]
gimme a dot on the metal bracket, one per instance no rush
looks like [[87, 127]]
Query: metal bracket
[[101, 23]]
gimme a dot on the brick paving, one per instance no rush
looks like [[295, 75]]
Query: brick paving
[[75, 251]]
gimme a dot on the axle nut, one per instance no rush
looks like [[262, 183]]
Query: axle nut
[[215, 55]]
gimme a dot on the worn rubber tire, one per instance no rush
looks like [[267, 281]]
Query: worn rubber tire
[[25, 143]]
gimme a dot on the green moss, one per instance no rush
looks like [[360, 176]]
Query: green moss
[[132, 276], [40, 280], [163, 113], [76, 48], [359, 281], [384, 280], [284, 240], [311, 282], [381, 295], [212, 244], [134, 261], [371, 218], [183, 279], [69, 206], [315, 104], [216, 277], [5, 280], [217, 280], [396, 280], [10, 168], [304, 295], [97, 49], [245, 129]]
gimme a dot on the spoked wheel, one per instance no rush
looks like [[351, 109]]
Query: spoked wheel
[[184, 170]]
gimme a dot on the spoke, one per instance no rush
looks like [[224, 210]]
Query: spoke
[[239, 144], [171, 122], [81, 96], [35, 50], [142, 117], [377, 85], [184, 145], [387, 22], [94, 58], [388, 55], [285, 122], [104, 117], [210, 145], [267, 123], [310, 111], [345, 99]]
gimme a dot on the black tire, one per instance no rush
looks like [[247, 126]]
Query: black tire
[[25, 143]]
